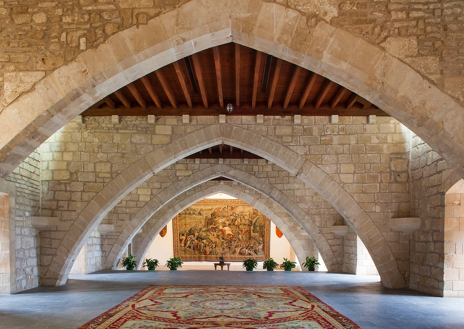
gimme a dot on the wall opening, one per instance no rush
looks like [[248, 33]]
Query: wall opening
[[89, 259], [364, 263], [454, 241]]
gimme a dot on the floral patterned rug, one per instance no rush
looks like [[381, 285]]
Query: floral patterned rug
[[221, 307]]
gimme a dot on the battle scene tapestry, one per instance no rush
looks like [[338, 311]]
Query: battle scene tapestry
[[213, 227]]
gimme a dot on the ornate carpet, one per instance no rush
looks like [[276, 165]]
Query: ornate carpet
[[221, 307]]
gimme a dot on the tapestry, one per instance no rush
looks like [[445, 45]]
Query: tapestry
[[213, 228], [221, 307]]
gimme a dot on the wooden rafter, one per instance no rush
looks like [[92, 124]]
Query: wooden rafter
[[353, 98], [237, 74], [167, 88], [338, 97], [210, 150], [110, 102], [201, 82], [149, 87], [259, 57], [217, 65], [307, 90], [292, 85], [364, 102], [220, 148], [275, 79], [231, 149], [133, 89], [183, 84], [122, 98], [323, 94]]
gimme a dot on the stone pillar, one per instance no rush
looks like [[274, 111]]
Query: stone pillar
[[5, 265]]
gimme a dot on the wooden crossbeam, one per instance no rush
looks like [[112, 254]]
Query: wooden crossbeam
[[259, 57], [231, 149], [307, 90], [324, 93], [364, 102], [275, 79], [217, 65], [201, 82], [149, 87], [237, 75], [183, 84], [167, 88], [353, 98], [133, 89], [110, 102], [122, 98], [338, 97], [291, 86]]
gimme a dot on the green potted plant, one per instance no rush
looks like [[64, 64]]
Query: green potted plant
[[311, 263], [270, 264], [129, 262], [173, 263], [151, 264], [250, 264], [288, 264]]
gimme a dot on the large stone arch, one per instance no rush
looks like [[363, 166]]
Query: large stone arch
[[269, 27], [150, 164], [183, 201], [260, 185]]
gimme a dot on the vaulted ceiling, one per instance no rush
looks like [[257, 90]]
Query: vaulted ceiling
[[253, 82]]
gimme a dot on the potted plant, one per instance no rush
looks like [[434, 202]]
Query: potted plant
[[173, 263], [311, 263], [288, 264], [129, 262], [151, 264], [250, 264], [270, 264]]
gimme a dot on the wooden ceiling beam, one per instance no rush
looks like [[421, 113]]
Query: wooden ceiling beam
[[353, 98], [324, 93], [167, 88], [220, 148], [291, 86], [217, 64], [275, 79], [134, 91], [210, 150], [237, 75], [259, 56], [201, 82], [183, 84], [342, 91], [364, 102], [231, 149], [307, 90], [110, 102], [151, 91], [122, 98]]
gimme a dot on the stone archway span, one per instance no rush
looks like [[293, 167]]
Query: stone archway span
[[260, 185], [150, 164], [183, 201], [269, 27]]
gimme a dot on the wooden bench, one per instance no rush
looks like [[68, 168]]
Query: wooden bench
[[222, 266]]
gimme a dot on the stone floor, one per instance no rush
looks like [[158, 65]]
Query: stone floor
[[361, 298]]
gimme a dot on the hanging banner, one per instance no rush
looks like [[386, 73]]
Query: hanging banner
[[279, 232]]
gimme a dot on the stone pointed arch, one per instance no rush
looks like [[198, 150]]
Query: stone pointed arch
[[183, 201], [121, 185], [128, 55], [258, 184]]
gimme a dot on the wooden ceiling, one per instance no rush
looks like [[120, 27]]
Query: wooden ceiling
[[223, 151], [253, 82]]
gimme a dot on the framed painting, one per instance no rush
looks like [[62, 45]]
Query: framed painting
[[214, 227]]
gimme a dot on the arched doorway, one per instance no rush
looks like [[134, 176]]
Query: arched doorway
[[454, 241]]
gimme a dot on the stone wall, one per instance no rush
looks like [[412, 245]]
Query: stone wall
[[26, 179], [38, 37], [4, 244], [350, 252], [454, 241], [364, 263]]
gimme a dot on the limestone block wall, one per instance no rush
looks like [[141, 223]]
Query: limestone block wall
[[41, 36], [89, 259], [350, 252], [5, 261], [26, 179], [370, 161], [428, 172], [364, 263]]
